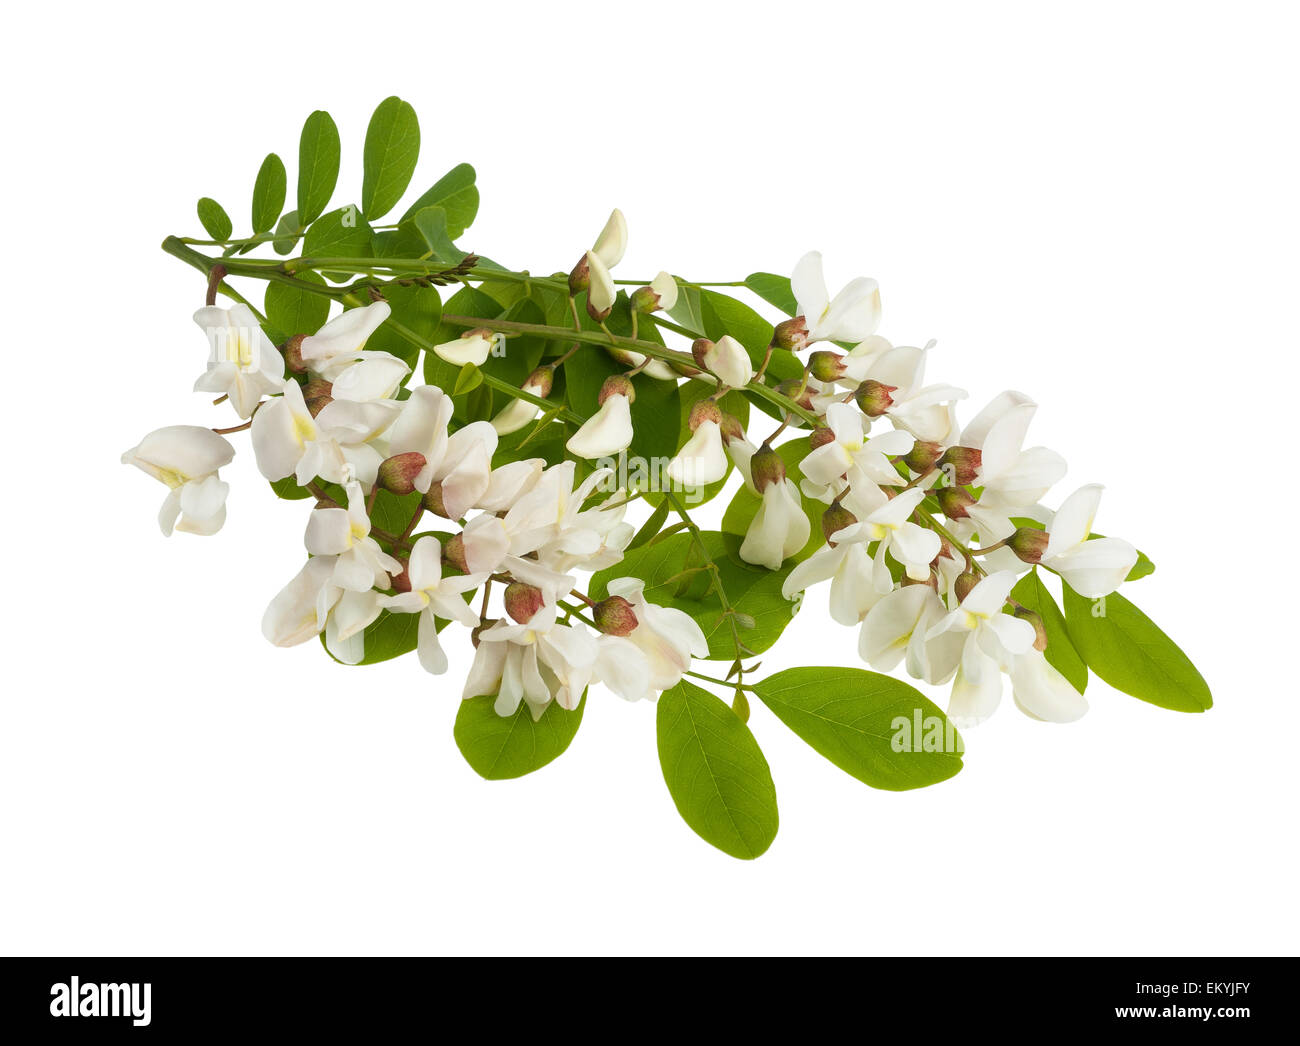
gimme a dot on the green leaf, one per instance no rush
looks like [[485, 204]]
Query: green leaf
[[874, 727], [1141, 568], [469, 378], [318, 165], [773, 289], [341, 233], [268, 193], [651, 527], [715, 772], [287, 231], [214, 219], [456, 193], [431, 224], [293, 310], [502, 747], [673, 573], [289, 490], [1126, 649], [392, 147], [744, 507], [1060, 653]]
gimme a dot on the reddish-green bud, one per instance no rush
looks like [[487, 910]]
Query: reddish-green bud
[[923, 456], [542, 379], [292, 351], [699, 349], [401, 582], [580, 277], [766, 468], [453, 552], [835, 519], [954, 501], [433, 500], [731, 427], [645, 300], [961, 464], [797, 389], [704, 410], [820, 436], [397, 474], [1040, 630], [874, 397], [616, 385], [825, 365], [523, 601], [965, 582], [317, 394], [791, 335], [614, 616], [1028, 543]]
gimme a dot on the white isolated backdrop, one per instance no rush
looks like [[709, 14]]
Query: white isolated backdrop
[[1096, 207]]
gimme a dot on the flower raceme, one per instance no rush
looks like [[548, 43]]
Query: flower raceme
[[444, 520]]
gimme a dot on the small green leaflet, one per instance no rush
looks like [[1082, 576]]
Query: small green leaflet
[[431, 223], [1126, 649], [499, 748], [858, 720], [773, 289], [293, 310], [214, 219], [715, 772], [392, 147], [287, 231], [268, 193], [318, 166], [456, 193]]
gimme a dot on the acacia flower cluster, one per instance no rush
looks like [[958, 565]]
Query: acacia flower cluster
[[465, 469]]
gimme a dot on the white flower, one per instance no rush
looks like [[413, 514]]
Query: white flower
[[519, 412], [374, 376], [487, 542], [855, 584], [509, 482], [432, 596], [851, 455], [851, 316], [535, 662], [993, 640], [779, 529], [701, 460], [242, 363], [345, 627], [471, 347], [1092, 568], [601, 291], [461, 462], [605, 433], [1041, 692], [727, 360], [926, 411], [344, 533], [667, 637], [186, 458], [1012, 478], [339, 342], [551, 521], [899, 625], [299, 610], [666, 288], [911, 545], [611, 244]]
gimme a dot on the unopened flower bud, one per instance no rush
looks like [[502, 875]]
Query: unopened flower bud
[[874, 397], [540, 381], [580, 277], [317, 394], [1040, 630], [660, 294], [700, 349], [731, 427], [523, 601], [954, 501], [791, 335], [820, 436], [614, 616], [966, 580], [453, 552], [835, 519], [1028, 543], [797, 389], [704, 410], [402, 582], [433, 500], [923, 456], [766, 468], [962, 464], [616, 385], [397, 474], [292, 351], [825, 365]]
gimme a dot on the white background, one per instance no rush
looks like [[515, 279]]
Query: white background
[[1093, 204]]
